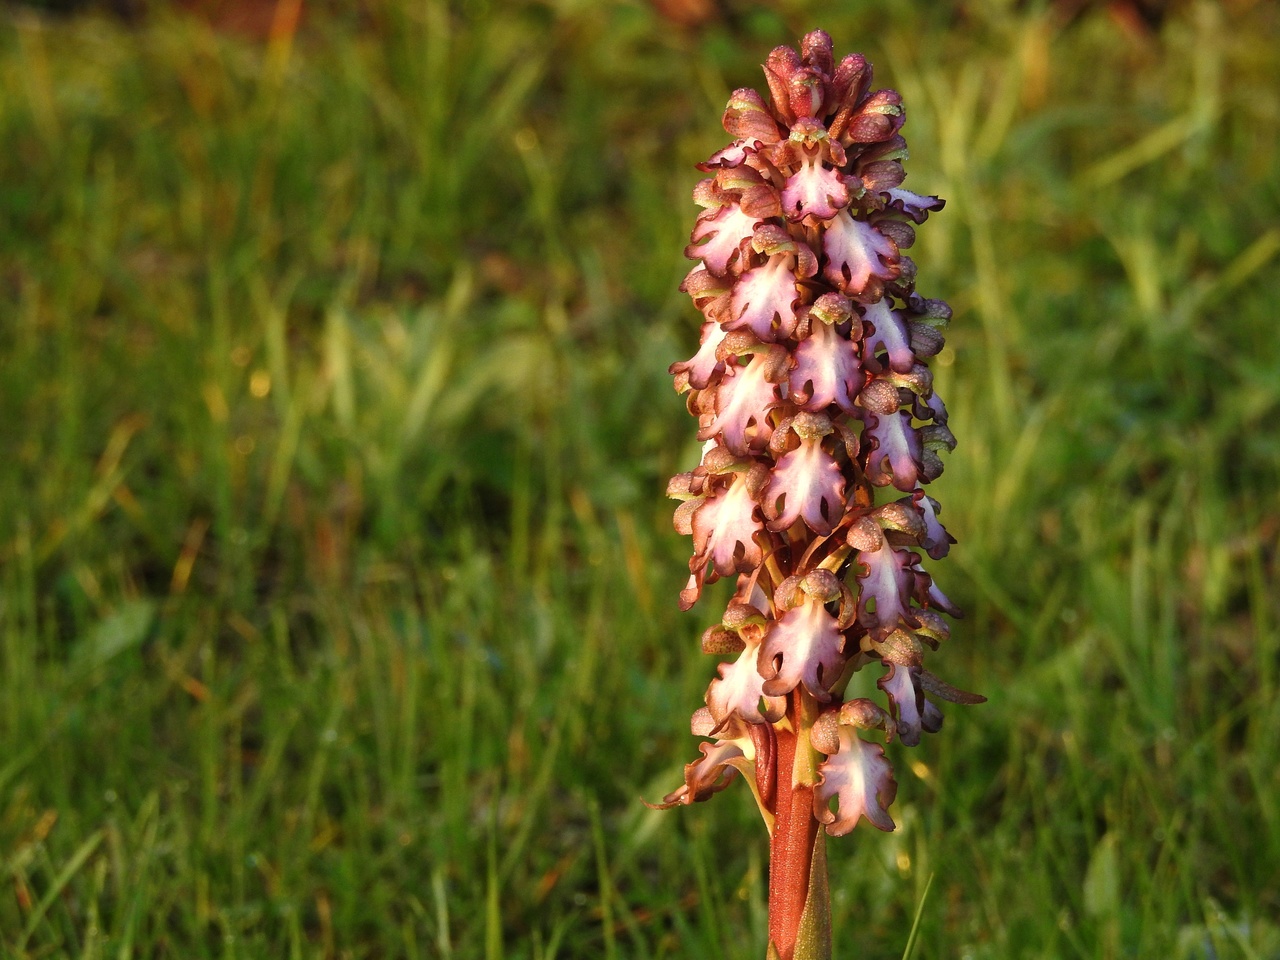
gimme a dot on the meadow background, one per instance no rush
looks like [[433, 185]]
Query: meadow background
[[337, 587]]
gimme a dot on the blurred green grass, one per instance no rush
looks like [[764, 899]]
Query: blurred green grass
[[337, 595]]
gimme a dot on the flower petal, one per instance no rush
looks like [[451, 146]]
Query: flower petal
[[706, 777], [890, 334], [857, 253], [901, 683], [742, 404], [914, 205], [930, 408], [879, 176], [738, 690], [803, 647], [718, 236], [734, 155], [895, 453], [859, 778], [927, 594], [816, 48], [809, 483], [781, 65], [724, 529], [747, 118], [878, 118], [889, 581], [815, 190], [710, 293], [763, 300], [851, 80], [937, 542], [704, 364], [827, 370]]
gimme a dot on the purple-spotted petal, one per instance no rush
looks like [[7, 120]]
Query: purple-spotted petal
[[884, 598], [860, 780], [703, 365], [895, 452], [914, 205], [879, 176], [709, 195], [781, 65], [827, 370], [815, 190], [804, 647], [742, 403], [810, 485], [879, 118], [734, 155], [718, 236], [807, 89], [851, 80], [724, 529], [890, 334], [738, 690], [763, 300], [937, 542], [816, 48], [856, 253], [901, 683]]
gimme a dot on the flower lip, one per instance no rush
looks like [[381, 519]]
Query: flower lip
[[809, 484], [718, 237], [733, 155], [859, 778], [804, 647], [815, 190], [859, 257], [764, 298], [742, 405], [827, 369], [724, 528]]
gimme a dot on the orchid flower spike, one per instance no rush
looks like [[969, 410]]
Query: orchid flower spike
[[821, 425]]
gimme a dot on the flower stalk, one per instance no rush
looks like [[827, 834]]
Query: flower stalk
[[815, 403]]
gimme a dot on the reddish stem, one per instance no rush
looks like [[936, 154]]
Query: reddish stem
[[791, 848]]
